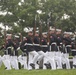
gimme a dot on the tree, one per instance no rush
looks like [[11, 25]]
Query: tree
[[23, 13]]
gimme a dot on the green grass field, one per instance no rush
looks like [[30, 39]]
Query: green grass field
[[37, 72]]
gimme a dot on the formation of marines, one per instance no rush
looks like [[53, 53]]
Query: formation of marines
[[52, 48]]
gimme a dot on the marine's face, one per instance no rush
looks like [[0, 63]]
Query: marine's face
[[44, 35], [51, 31], [58, 32], [66, 35], [30, 33], [9, 37], [36, 34]]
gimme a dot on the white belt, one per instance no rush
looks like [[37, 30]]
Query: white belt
[[73, 50], [68, 46], [18, 48], [36, 44], [25, 44], [44, 46], [53, 43], [61, 43], [8, 47], [29, 44]]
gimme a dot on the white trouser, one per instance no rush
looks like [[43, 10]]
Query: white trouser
[[14, 62], [0, 61], [23, 61], [6, 61], [52, 60], [58, 59], [33, 56], [53, 64], [65, 60], [40, 57], [45, 60], [49, 58], [74, 60]]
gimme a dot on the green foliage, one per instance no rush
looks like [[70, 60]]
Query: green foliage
[[24, 14]]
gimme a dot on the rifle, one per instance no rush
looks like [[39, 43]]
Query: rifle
[[48, 35], [5, 35], [48, 26], [40, 31], [21, 39], [34, 28]]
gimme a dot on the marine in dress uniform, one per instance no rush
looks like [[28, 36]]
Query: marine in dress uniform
[[44, 45], [23, 58], [64, 58], [33, 55], [9, 44], [73, 45], [47, 61], [17, 44], [67, 41], [74, 50], [53, 45], [23, 46], [8, 53], [54, 48], [38, 48], [59, 40], [37, 42]]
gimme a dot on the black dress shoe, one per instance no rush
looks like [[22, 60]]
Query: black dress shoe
[[47, 65], [32, 65], [74, 66], [38, 62], [5, 67]]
